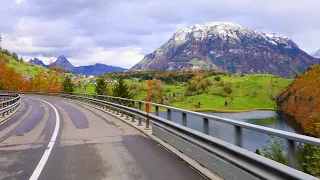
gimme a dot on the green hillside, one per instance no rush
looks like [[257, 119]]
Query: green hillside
[[253, 91], [23, 68]]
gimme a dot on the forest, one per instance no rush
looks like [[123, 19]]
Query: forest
[[302, 100]]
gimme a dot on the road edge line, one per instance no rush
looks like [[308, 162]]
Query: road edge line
[[36, 173]]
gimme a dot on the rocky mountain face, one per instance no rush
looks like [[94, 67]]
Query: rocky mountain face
[[96, 69], [228, 46], [316, 54], [38, 62], [64, 63]]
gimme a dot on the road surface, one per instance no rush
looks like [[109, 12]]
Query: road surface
[[86, 144]]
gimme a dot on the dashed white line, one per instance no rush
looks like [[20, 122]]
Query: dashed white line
[[36, 173]]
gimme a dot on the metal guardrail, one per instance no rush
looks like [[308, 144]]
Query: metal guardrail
[[224, 159], [11, 102]]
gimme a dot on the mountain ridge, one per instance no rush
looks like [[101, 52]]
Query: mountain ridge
[[316, 54], [96, 69], [228, 46]]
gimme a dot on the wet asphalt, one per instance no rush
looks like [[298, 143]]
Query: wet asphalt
[[90, 145]]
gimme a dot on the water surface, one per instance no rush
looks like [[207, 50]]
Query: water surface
[[251, 140]]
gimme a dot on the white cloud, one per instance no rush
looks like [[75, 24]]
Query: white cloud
[[121, 32], [126, 57]]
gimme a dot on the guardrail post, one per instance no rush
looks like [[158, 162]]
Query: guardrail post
[[238, 136], [206, 125], [169, 114], [157, 110], [10, 103], [292, 153], [132, 104], [132, 120], [184, 119], [7, 106], [122, 103], [140, 108]]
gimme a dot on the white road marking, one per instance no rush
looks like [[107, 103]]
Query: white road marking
[[36, 173]]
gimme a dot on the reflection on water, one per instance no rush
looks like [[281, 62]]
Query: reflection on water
[[251, 140]]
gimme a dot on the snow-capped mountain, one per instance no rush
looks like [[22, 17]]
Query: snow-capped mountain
[[223, 45], [316, 54]]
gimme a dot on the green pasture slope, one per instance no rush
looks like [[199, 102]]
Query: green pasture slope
[[253, 91], [25, 68]]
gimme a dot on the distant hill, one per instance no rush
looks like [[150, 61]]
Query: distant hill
[[96, 69], [228, 46], [302, 100]]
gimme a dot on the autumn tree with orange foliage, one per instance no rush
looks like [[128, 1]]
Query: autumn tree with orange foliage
[[302, 100], [10, 80]]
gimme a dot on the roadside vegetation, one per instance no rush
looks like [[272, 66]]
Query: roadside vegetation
[[308, 156]]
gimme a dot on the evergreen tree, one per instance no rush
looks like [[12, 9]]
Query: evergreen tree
[[21, 60], [15, 56], [5, 51], [121, 89], [67, 85], [257, 152], [309, 159], [101, 86]]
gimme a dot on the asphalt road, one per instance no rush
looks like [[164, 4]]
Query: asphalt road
[[85, 144]]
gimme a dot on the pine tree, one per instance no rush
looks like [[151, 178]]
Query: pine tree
[[67, 85], [5, 51], [21, 59], [15, 56], [121, 89], [257, 152], [101, 86]]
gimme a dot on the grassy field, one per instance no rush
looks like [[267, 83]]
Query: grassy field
[[25, 68], [254, 91]]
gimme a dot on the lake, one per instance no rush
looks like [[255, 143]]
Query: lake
[[251, 140]]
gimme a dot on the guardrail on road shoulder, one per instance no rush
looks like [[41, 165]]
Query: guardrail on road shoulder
[[11, 102]]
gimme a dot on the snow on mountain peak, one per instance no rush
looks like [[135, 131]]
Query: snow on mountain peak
[[203, 30], [316, 54], [225, 30]]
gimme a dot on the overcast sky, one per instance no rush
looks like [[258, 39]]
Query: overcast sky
[[121, 32]]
